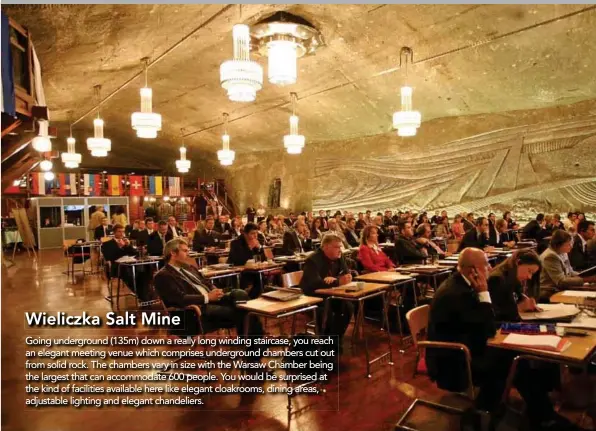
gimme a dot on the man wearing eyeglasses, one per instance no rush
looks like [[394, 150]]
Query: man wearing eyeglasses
[[180, 284]]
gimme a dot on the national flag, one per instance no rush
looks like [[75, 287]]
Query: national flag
[[12, 189], [62, 184], [71, 184], [136, 185], [158, 186], [114, 186], [151, 185], [38, 183], [174, 185], [91, 185], [86, 184], [97, 185]]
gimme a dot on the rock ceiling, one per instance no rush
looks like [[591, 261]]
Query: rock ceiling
[[472, 59]]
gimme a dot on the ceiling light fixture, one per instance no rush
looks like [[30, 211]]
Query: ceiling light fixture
[[98, 145], [48, 176], [225, 155], [71, 158], [42, 141], [45, 165], [241, 77], [406, 121], [284, 38], [146, 122], [294, 142], [183, 165]]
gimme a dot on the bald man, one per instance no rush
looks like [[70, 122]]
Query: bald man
[[461, 312]]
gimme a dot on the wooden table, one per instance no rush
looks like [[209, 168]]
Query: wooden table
[[394, 279], [579, 352], [560, 298], [216, 274], [371, 290], [262, 268], [427, 271]]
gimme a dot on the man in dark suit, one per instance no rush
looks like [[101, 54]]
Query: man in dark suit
[[180, 284], [103, 230], [143, 235], [360, 223], [579, 257], [461, 312], [173, 230], [118, 247], [207, 237], [468, 222], [250, 214], [327, 268], [505, 237], [243, 249], [350, 233], [477, 237], [407, 250], [222, 226], [535, 229], [157, 240], [296, 240]]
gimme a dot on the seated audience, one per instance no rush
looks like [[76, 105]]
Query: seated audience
[[206, 237], [327, 268], [569, 222], [505, 237], [557, 223], [477, 237], [243, 249], [457, 228], [371, 256], [468, 221], [383, 234], [461, 312], [511, 224], [514, 284], [579, 257], [143, 235], [557, 273], [296, 240], [236, 226], [157, 240], [334, 229], [350, 233], [443, 229], [262, 235], [423, 235], [315, 228], [118, 247], [103, 230], [138, 226], [407, 249], [222, 226], [173, 230], [179, 284]]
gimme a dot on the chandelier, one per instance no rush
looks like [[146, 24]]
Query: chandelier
[[48, 176], [241, 77], [146, 123], [284, 38], [183, 165], [42, 141], [225, 155], [98, 145], [406, 121], [294, 142], [71, 158]]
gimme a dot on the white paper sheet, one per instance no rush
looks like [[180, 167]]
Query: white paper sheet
[[549, 341], [581, 322], [579, 293], [551, 311]]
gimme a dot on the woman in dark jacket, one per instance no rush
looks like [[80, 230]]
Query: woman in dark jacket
[[514, 285]]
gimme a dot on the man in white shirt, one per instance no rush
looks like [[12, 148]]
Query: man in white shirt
[[180, 284], [173, 230]]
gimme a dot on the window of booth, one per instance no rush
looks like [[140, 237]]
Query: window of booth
[[119, 215], [50, 217], [74, 215]]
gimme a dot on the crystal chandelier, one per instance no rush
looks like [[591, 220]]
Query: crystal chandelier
[[294, 142], [45, 165], [284, 38], [71, 158], [225, 155], [42, 141], [98, 145], [146, 123], [241, 77], [183, 165], [406, 121]]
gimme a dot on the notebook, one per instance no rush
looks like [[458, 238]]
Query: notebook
[[579, 293], [583, 322], [552, 343], [283, 294], [552, 312]]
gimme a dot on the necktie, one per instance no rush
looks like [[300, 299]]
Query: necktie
[[163, 242]]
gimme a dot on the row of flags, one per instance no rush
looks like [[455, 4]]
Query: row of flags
[[105, 185]]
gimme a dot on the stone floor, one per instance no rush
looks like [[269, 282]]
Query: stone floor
[[351, 402]]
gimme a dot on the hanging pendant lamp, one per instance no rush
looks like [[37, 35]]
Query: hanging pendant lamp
[[407, 120], [98, 145], [294, 142], [225, 155], [146, 123], [183, 165], [71, 158]]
